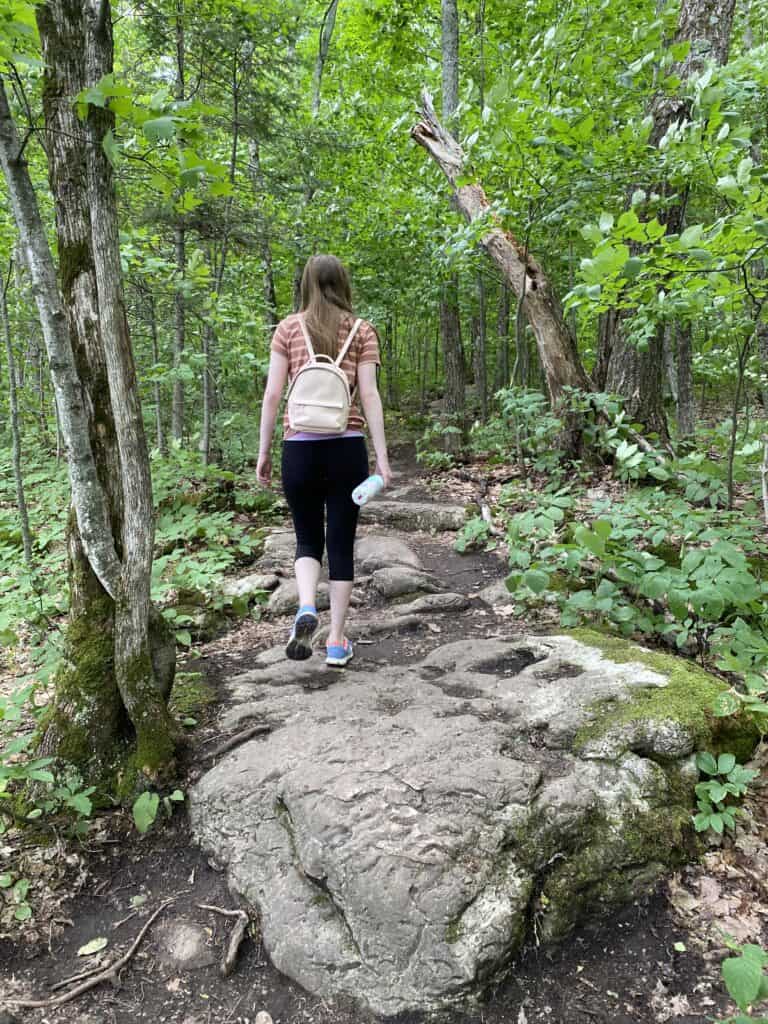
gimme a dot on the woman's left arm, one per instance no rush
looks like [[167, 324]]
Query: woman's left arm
[[276, 378]]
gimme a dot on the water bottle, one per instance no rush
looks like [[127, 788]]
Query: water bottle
[[368, 489]]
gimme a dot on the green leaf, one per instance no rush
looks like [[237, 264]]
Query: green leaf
[[23, 912], [743, 977], [726, 763], [691, 236], [633, 267], [159, 129], [6, 880], [111, 148], [145, 810], [706, 763], [536, 580]]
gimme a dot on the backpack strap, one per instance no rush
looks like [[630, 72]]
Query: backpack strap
[[348, 342], [307, 340]]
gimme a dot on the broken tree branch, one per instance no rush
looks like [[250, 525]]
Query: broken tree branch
[[557, 348]]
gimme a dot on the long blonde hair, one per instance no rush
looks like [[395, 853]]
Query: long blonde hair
[[326, 296]]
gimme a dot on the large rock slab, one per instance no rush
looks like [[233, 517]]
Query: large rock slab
[[402, 831], [415, 515]]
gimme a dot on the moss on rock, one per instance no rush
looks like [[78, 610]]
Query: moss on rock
[[687, 699]]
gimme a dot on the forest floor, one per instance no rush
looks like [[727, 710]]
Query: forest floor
[[656, 960]]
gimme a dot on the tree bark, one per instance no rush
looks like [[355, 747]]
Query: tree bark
[[450, 319], [478, 350], [324, 44], [502, 330], [556, 346], [686, 397], [88, 494], [265, 242], [179, 248], [160, 439], [134, 668], [637, 375], [21, 502]]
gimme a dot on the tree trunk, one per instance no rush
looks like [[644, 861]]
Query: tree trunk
[[21, 502], [160, 440], [324, 44], [453, 353], [179, 343], [265, 242], [557, 348], [96, 399], [179, 248], [686, 397], [637, 375], [134, 667], [450, 319], [478, 351], [502, 330]]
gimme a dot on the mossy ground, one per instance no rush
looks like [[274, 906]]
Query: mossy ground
[[190, 695], [688, 699]]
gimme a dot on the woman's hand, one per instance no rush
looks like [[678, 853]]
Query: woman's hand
[[382, 468], [264, 470]]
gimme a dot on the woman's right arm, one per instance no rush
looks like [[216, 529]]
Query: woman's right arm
[[374, 415]]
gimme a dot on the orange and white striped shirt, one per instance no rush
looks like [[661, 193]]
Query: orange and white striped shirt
[[288, 341]]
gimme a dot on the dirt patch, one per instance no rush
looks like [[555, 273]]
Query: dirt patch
[[507, 665]]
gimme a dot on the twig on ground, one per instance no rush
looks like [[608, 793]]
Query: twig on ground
[[108, 973], [240, 737], [235, 939]]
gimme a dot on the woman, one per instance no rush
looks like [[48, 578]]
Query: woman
[[320, 471]]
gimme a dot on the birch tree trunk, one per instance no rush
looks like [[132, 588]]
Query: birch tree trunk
[[120, 657], [86, 715]]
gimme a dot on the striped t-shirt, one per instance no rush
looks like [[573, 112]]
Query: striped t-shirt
[[288, 341]]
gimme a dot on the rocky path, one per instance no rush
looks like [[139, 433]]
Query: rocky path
[[412, 830], [404, 826]]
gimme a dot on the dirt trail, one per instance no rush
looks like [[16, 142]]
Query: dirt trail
[[623, 970]]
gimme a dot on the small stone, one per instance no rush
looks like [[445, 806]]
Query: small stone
[[262, 1017], [279, 547], [496, 594], [434, 603], [247, 586]]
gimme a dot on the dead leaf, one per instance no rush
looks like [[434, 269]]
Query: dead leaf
[[94, 946]]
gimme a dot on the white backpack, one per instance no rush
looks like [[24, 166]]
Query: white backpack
[[319, 399]]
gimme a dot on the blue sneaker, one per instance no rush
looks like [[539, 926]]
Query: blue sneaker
[[338, 654], [304, 627]]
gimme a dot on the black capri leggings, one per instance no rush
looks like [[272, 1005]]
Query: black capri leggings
[[320, 475]]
